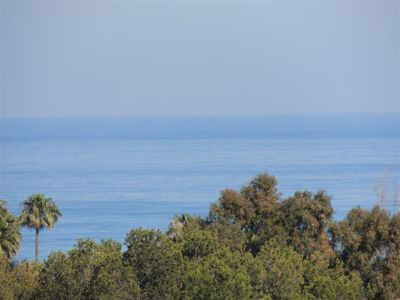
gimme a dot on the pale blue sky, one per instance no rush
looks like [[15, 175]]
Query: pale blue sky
[[185, 58]]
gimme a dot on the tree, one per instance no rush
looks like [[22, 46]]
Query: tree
[[27, 276], [228, 235], [254, 208], [250, 207], [39, 212], [88, 271], [306, 219], [199, 243], [157, 261], [327, 279], [219, 276], [281, 271], [18, 281], [369, 242], [10, 236]]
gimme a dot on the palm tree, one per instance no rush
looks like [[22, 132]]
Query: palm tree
[[39, 212], [10, 236]]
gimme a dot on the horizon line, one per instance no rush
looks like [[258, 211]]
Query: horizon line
[[205, 115]]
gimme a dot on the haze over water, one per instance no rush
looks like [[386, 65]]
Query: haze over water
[[109, 175]]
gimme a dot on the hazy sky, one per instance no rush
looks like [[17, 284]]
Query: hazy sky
[[179, 58]]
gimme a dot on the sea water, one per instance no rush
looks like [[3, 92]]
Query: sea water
[[109, 175]]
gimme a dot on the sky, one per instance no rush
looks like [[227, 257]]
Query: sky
[[110, 58]]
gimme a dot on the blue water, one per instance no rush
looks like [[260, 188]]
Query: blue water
[[109, 175]]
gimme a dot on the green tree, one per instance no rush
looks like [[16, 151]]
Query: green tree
[[18, 281], [199, 243], [369, 242], [280, 273], [157, 261], [250, 207], [306, 219], [39, 212], [228, 235], [8, 282], [254, 208], [328, 279], [88, 271], [219, 276], [27, 276], [10, 236], [56, 278]]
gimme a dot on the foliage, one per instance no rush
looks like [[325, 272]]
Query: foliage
[[228, 235], [157, 261], [181, 224], [254, 205], [18, 281], [10, 236], [89, 271], [254, 209], [281, 271], [325, 279], [219, 276], [252, 245], [27, 275], [306, 218], [369, 243], [8, 281], [199, 243], [38, 212]]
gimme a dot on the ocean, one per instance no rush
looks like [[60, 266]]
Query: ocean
[[109, 175]]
